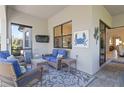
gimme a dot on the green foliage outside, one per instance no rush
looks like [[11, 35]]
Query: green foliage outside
[[17, 45]]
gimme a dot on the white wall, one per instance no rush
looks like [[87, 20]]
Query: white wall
[[3, 27], [40, 27], [83, 18], [98, 13], [118, 20]]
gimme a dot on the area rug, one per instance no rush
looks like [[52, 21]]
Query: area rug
[[62, 78]]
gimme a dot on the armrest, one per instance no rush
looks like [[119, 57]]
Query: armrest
[[30, 74], [28, 77]]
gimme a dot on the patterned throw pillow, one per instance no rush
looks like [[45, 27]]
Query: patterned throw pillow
[[23, 69]]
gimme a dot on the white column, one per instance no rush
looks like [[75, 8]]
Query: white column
[[3, 27]]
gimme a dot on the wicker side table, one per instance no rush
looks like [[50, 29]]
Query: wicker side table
[[39, 62], [69, 62], [44, 65]]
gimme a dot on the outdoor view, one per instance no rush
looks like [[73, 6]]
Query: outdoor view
[[21, 39], [17, 40]]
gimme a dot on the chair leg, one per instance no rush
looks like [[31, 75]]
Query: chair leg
[[0, 83], [41, 83], [41, 78], [69, 68], [61, 67]]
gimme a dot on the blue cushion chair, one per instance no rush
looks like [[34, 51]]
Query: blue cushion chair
[[5, 54], [53, 58], [10, 72]]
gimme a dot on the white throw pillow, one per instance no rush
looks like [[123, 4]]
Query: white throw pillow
[[23, 69], [59, 56], [11, 57]]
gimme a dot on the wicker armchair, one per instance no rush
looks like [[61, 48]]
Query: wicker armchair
[[8, 76]]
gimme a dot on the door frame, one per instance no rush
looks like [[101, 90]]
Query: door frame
[[100, 21], [23, 26]]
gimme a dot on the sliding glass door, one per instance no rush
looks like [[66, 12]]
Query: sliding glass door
[[21, 39], [103, 27]]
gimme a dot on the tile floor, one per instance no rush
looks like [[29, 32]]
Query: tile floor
[[111, 75]]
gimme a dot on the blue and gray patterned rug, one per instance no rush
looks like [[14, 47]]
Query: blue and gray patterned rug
[[62, 78]]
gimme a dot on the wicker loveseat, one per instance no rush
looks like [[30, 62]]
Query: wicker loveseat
[[53, 58]]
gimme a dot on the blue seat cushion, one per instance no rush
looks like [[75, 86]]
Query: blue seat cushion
[[15, 64], [3, 60], [4, 54], [63, 52], [53, 59], [55, 52], [49, 58], [46, 57]]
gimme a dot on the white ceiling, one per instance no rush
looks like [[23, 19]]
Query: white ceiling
[[46, 11], [115, 9], [40, 11]]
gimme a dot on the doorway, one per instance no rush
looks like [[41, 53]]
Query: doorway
[[103, 27], [115, 44], [21, 39]]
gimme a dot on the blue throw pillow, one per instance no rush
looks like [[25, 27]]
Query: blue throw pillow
[[55, 52], [63, 52]]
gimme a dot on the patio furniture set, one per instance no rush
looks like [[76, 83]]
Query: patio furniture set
[[13, 73], [56, 60]]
